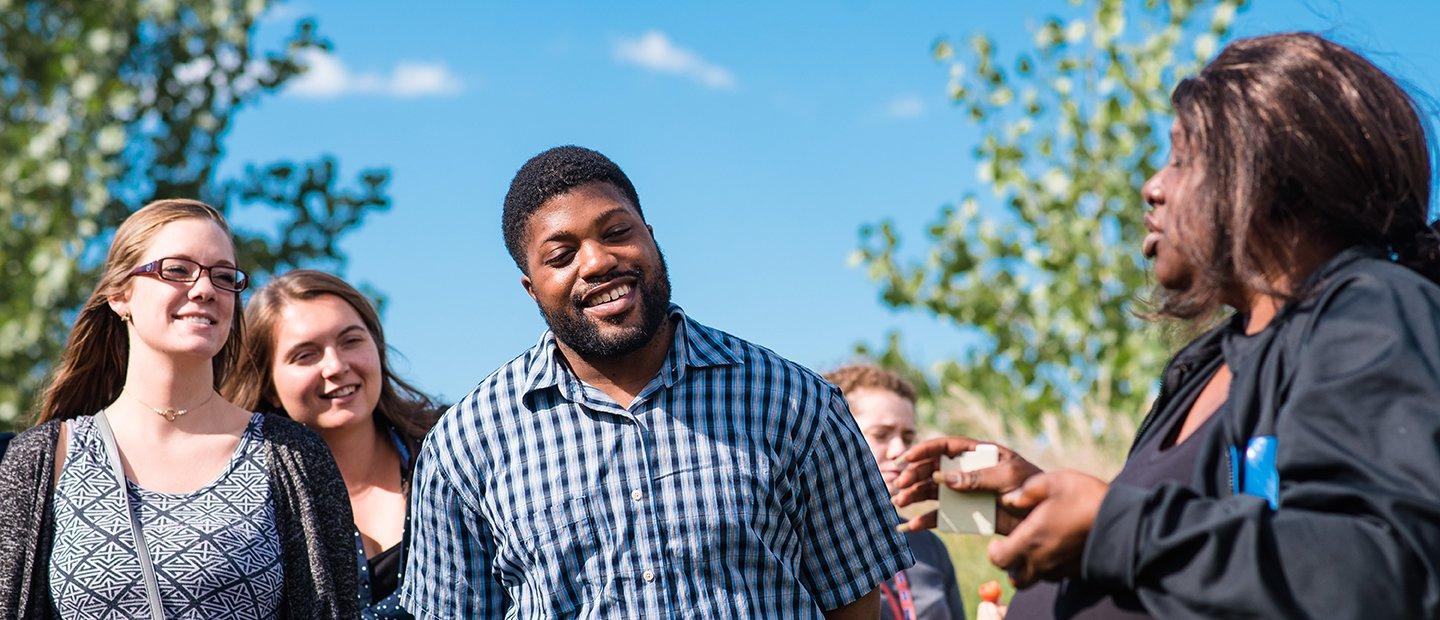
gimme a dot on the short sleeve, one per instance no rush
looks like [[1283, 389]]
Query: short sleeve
[[846, 521], [448, 566]]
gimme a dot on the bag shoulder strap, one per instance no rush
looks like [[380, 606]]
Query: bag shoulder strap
[[147, 568]]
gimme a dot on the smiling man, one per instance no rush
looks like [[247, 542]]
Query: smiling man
[[635, 463]]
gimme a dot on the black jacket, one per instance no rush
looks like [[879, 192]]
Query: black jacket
[[1347, 381]]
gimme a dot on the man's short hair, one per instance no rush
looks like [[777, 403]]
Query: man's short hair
[[550, 174], [857, 376]]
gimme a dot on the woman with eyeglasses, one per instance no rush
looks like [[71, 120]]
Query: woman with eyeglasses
[[141, 493], [315, 352]]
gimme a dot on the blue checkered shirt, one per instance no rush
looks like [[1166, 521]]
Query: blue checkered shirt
[[736, 485]]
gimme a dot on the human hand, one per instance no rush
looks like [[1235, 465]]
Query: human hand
[[1048, 544], [921, 479]]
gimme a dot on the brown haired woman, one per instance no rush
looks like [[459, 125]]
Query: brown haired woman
[[1289, 467], [141, 493], [316, 353]]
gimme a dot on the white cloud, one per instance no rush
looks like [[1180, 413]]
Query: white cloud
[[418, 79], [905, 106], [656, 52], [328, 78]]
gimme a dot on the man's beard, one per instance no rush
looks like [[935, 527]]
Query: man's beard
[[582, 334]]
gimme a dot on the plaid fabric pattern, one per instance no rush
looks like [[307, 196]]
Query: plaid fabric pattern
[[736, 485]]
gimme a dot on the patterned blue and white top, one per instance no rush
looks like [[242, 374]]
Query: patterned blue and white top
[[388, 606], [215, 550], [736, 485]]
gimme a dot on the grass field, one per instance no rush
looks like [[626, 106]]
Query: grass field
[[967, 553]]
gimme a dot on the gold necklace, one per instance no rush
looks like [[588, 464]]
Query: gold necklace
[[171, 414]]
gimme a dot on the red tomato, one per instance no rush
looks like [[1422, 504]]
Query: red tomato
[[990, 592]]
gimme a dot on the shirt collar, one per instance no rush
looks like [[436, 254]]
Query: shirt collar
[[693, 346]]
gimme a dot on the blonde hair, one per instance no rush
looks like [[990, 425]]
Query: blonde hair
[[856, 376], [252, 385], [91, 371]]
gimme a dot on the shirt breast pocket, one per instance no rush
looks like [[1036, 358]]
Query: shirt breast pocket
[[727, 505], [745, 487], [562, 558]]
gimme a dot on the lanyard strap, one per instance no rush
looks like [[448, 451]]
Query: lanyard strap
[[147, 569], [890, 600], [900, 600], [907, 600]]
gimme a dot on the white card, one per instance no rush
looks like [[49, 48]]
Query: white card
[[968, 513]]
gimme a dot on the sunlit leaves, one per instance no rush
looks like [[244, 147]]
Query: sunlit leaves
[[105, 106], [1045, 261]]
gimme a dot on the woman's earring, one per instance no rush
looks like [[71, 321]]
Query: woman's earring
[[125, 318]]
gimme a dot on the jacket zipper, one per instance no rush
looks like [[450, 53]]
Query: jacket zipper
[[1231, 470], [1160, 398]]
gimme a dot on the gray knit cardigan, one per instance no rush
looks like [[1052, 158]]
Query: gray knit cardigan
[[312, 515]]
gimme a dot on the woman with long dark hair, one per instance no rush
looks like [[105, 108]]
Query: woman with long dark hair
[[316, 353], [141, 493], [1290, 466]]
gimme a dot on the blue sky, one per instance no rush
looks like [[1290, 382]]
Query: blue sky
[[760, 138]]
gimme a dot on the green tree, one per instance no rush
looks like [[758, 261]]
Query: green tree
[[105, 106], [1046, 264]]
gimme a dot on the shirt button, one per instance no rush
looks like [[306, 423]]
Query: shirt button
[[649, 575], [636, 495]]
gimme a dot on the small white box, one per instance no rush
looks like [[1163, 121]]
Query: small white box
[[968, 513]]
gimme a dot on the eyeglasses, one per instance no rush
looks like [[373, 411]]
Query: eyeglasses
[[186, 270]]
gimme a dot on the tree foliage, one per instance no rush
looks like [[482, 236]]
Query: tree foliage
[[105, 106], [1046, 263]]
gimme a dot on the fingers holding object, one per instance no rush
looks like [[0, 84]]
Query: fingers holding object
[[998, 479], [923, 522], [938, 447], [1008, 553], [1019, 553], [916, 472], [1034, 491], [923, 490]]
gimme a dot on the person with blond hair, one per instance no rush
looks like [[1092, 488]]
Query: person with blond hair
[[883, 404], [140, 492], [315, 352]]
